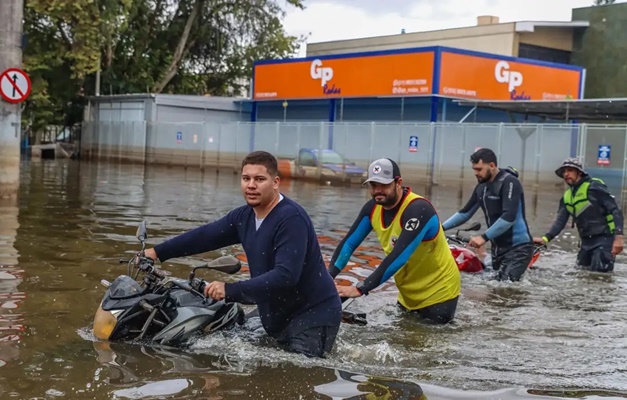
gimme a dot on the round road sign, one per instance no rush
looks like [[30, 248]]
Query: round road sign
[[14, 85]]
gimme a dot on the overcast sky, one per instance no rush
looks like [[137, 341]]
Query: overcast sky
[[325, 20]]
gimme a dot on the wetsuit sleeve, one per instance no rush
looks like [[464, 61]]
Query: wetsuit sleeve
[[215, 235], [357, 233], [464, 214], [420, 223], [290, 250], [599, 192], [560, 222], [511, 194]]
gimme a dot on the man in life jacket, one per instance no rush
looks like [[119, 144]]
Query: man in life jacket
[[417, 254], [598, 218], [500, 195]]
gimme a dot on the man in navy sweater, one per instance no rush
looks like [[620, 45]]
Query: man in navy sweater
[[295, 295]]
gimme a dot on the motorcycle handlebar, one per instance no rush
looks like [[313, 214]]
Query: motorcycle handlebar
[[459, 239], [144, 264]]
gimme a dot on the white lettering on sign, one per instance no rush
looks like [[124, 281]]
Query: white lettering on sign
[[503, 74], [317, 71]]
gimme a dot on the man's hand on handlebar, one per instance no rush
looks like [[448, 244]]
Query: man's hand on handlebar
[[216, 290], [150, 253], [476, 242]]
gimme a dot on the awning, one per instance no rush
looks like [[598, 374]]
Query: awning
[[587, 110]]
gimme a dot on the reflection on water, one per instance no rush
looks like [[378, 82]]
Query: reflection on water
[[11, 319], [129, 370], [558, 328]]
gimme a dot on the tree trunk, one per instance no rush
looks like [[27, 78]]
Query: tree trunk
[[181, 48]]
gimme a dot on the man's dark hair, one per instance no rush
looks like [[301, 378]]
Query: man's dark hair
[[485, 155], [262, 158]]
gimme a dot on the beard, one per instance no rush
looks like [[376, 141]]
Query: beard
[[487, 178], [385, 200]]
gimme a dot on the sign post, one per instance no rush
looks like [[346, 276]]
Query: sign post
[[15, 85]]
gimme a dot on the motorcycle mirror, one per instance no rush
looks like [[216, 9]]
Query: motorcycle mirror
[[142, 233], [474, 227], [226, 264]]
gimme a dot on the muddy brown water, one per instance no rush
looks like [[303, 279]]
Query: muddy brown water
[[560, 333]]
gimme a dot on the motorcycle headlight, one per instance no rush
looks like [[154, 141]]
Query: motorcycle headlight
[[104, 323]]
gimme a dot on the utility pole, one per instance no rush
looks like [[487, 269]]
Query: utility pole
[[11, 14]]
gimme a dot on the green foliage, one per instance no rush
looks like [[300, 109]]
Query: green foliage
[[603, 2], [171, 46]]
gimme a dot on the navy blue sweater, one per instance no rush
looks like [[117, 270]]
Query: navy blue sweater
[[289, 281]]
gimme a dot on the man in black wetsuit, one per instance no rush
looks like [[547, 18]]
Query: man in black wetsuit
[[500, 195], [594, 210]]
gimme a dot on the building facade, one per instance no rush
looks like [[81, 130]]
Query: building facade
[[538, 40], [421, 84]]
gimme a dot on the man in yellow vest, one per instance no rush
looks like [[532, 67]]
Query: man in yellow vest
[[417, 254], [598, 218]]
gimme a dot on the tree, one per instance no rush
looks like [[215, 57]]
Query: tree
[[159, 46], [603, 2]]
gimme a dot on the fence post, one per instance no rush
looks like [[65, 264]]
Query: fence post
[[372, 134], [463, 153], [499, 143], [298, 134], [441, 146], [400, 144], [539, 134], [622, 194], [320, 147], [432, 153], [276, 138], [584, 143]]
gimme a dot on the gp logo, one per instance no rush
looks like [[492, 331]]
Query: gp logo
[[503, 74], [318, 71]]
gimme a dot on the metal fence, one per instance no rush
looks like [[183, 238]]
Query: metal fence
[[431, 152]]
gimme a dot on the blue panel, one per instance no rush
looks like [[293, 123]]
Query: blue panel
[[436, 71], [253, 112]]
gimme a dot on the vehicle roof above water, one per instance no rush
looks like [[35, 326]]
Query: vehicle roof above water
[[313, 150]]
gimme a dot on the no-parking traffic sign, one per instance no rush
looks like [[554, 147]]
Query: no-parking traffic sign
[[14, 85]]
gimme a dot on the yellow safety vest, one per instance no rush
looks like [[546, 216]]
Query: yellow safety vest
[[576, 203], [431, 275]]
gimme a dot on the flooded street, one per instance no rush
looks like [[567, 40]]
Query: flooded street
[[560, 333]]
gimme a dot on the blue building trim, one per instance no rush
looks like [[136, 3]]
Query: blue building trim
[[348, 55], [253, 111], [421, 50], [435, 89], [510, 58]]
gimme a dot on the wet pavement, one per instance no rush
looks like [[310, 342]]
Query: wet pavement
[[560, 333]]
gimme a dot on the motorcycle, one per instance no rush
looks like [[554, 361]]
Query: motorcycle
[[161, 309], [467, 260]]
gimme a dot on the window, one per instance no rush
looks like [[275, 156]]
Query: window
[[543, 53], [331, 158], [307, 159]]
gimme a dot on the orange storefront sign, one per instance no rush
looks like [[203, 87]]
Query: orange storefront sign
[[488, 78], [400, 74]]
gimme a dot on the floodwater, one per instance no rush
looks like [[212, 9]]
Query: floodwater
[[560, 333]]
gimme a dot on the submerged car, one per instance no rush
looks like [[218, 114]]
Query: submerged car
[[327, 165]]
